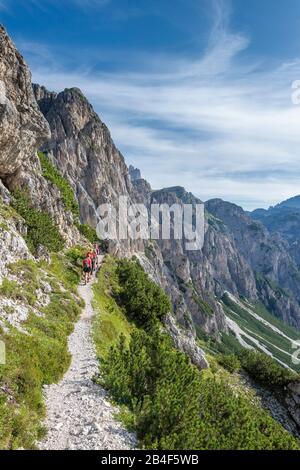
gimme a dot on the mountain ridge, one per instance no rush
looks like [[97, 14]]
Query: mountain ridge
[[240, 255]]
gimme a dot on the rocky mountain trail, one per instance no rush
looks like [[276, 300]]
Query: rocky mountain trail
[[79, 415]]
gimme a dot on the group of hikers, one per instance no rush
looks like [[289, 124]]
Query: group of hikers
[[90, 263]]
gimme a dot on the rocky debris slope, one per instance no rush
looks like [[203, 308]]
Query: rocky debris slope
[[283, 405], [292, 402], [79, 415]]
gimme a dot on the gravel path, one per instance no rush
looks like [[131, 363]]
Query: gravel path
[[79, 415]]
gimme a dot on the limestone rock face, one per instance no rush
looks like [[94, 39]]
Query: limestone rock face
[[185, 342], [135, 173], [238, 255], [292, 400], [12, 244], [22, 126], [45, 196], [23, 129], [82, 148], [277, 276]]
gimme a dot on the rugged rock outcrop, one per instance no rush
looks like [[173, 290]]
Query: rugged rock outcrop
[[45, 196], [22, 126], [186, 343], [12, 244], [292, 401], [283, 220], [23, 129], [238, 255], [135, 173], [277, 277], [82, 148]]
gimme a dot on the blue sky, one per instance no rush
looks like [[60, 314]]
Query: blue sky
[[195, 92]]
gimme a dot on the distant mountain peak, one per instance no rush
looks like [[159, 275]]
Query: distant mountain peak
[[135, 173], [293, 202]]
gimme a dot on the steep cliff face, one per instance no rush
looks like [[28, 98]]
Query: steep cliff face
[[82, 148], [284, 220], [267, 255], [238, 256], [23, 127], [23, 130]]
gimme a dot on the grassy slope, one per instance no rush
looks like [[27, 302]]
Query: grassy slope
[[38, 353], [111, 321]]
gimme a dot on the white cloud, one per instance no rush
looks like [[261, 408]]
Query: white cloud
[[217, 125]]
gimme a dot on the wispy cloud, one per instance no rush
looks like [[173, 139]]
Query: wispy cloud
[[219, 125]]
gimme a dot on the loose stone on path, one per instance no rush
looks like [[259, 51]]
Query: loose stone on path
[[79, 415]]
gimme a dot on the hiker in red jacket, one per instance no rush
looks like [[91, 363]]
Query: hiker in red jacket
[[93, 257], [87, 268]]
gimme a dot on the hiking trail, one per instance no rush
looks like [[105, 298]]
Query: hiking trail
[[79, 415]]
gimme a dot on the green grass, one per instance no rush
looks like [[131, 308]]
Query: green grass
[[25, 288], [110, 322], [4, 227], [8, 212], [9, 288], [52, 174]]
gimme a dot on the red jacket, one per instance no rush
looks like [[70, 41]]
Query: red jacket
[[87, 262]]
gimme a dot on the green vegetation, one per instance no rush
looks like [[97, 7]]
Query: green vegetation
[[8, 288], [41, 229], [204, 306], [88, 232], [265, 370], [7, 212], [257, 322], [52, 174], [163, 397], [144, 301], [37, 354], [230, 362], [111, 321]]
